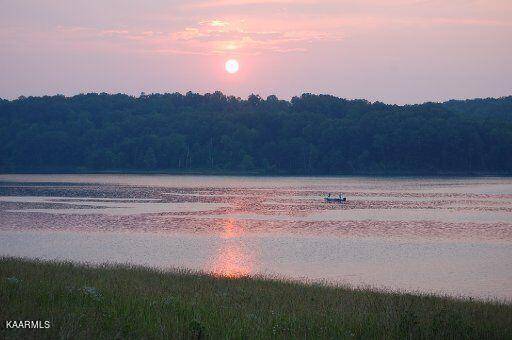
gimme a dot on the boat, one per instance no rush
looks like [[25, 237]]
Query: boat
[[333, 199]]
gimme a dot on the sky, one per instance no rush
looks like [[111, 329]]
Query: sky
[[394, 51]]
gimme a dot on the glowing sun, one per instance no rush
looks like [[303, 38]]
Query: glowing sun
[[232, 66]]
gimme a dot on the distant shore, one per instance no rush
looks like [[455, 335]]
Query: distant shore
[[107, 301], [207, 172]]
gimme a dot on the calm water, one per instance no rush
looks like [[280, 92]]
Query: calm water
[[449, 236]]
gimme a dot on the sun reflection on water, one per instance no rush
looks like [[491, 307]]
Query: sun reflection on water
[[230, 229], [233, 259]]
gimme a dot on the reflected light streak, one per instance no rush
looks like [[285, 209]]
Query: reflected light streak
[[232, 259], [230, 229]]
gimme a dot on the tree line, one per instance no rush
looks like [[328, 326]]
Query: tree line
[[310, 134]]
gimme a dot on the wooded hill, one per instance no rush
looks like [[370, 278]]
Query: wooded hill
[[311, 134]]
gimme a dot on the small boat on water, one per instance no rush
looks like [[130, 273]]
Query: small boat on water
[[333, 199]]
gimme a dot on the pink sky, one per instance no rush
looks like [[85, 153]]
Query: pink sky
[[396, 51]]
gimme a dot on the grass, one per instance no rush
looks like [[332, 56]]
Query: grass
[[109, 301]]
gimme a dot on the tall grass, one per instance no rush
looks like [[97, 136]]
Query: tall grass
[[110, 301]]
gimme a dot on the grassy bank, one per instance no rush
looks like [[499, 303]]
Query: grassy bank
[[133, 302]]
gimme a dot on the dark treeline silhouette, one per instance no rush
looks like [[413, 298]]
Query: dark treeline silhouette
[[311, 134]]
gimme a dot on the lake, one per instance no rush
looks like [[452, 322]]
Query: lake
[[448, 236]]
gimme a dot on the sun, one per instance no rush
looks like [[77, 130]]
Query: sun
[[232, 66]]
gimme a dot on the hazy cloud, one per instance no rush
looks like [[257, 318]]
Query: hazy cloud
[[395, 50]]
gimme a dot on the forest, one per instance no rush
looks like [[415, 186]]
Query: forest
[[215, 133]]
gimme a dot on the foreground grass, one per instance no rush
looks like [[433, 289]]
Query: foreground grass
[[133, 302]]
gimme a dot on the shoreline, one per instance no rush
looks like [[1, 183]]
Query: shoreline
[[131, 301], [383, 174]]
